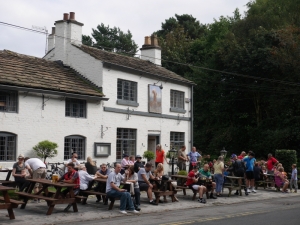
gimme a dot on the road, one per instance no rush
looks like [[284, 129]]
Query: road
[[276, 212]]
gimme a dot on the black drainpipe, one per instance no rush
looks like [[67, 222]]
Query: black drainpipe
[[192, 117]]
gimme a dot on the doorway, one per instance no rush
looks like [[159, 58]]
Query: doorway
[[153, 140]]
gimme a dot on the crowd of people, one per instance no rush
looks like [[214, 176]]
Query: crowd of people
[[133, 170]]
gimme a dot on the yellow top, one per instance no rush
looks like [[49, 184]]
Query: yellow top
[[218, 168]]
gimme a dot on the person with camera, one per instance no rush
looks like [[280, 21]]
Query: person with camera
[[193, 183]]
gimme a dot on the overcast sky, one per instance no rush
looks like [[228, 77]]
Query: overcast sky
[[141, 17]]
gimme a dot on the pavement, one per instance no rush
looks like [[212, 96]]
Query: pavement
[[35, 213]]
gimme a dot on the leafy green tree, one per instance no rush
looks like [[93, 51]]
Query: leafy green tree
[[111, 39], [46, 149]]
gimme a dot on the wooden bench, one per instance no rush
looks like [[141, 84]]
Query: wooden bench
[[28, 195], [112, 200], [8, 183]]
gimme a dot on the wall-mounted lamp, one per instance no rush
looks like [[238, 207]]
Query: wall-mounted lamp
[[143, 145], [161, 87], [166, 145]]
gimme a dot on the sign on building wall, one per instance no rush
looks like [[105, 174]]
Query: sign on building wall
[[154, 99]]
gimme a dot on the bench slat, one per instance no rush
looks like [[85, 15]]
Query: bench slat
[[12, 200], [35, 196]]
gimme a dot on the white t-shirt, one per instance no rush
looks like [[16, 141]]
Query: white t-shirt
[[113, 178], [76, 163], [84, 178], [35, 163]]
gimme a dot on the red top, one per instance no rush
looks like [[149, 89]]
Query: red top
[[160, 156], [190, 179], [73, 175], [270, 163], [240, 157]]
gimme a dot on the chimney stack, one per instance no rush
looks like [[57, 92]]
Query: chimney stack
[[66, 16], [151, 51], [72, 16], [51, 39]]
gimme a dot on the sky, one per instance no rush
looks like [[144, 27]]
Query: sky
[[141, 17]]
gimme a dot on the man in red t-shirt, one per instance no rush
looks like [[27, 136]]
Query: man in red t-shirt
[[270, 163], [192, 184]]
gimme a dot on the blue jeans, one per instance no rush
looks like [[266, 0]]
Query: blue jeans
[[219, 179], [125, 199]]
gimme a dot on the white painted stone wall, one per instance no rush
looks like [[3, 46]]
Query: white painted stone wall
[[152, 55]]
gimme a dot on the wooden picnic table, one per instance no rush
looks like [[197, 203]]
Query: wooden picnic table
[[8, 204], [7, 181], [52, 198], [169, 191], [233, 184]]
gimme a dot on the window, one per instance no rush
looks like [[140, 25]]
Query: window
[[74, 144], [8, 101], [176, 139], [127, 93], [7, 146], [126, 142], [177, 101], [76, 108]]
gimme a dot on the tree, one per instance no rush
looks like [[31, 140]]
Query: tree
[[45, 149], [111, 39]]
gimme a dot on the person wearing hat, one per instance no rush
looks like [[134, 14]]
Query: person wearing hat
[[138, 163], [19, 173], [192, 183], [124, 163]]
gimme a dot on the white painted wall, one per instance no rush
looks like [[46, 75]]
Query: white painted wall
[[153, 55]]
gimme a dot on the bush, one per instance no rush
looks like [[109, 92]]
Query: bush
[[45, 149], [149, 155], [287, 158]]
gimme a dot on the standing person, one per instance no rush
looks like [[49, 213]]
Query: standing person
[[182, 158], [242, 155], [132, 177], [90, 166], [113, 190], [85, 180], [103, 174], [144, 175], [71, 177], [160, 155], [138, 163], [250, 160], [218, 175], [238, 169], [72, 160], [271, 163], [37, 170], [192, 181], [294, 178], [19, 173], [194, 157]]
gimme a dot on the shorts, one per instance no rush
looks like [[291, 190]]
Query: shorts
[[195, 187], [249, 175], [39, 173], [143, 186], [239, 173]]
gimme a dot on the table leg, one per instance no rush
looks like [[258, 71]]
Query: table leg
[[8, 175], [74, 204], [9, 210]]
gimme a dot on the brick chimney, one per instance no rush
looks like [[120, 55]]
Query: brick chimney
[[67, 31], [151, 50]]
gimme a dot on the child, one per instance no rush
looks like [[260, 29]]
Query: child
[[294, 178]]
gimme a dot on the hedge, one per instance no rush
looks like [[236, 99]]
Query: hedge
[[287, 158]]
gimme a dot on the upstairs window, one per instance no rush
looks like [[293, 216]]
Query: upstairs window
[[7, 146], [8, 101], [177, 101], [127, 93], [75, 108]]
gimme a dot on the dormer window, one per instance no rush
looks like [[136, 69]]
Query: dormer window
[[127, 93]]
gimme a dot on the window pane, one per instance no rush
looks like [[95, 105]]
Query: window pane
[[8, 101], [177, 99], [176, 139], [126, 142], [74, 144], [7, 147], [76, 108], [127, 90]]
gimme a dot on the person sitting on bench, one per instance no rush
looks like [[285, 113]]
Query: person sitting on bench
[[192, 183]]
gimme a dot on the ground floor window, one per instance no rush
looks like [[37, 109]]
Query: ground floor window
[[176, 140], [7, 146], [74, 144], [126, 142]]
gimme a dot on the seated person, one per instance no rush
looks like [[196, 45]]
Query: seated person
[[131, 160], [90, 165], [192, 183], [85, 180], [113, 190], [144, 175], [280, 180], [138, 164], [71, 177], [102, 173], [19, 173], [205, 173], [124, 163], [132, 177]]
